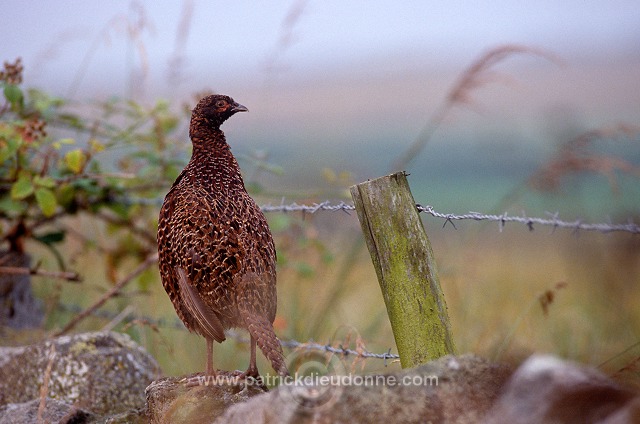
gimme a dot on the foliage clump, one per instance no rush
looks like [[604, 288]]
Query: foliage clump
[[111, 161]]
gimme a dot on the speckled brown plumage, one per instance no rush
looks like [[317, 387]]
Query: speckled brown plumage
[[216, 253]]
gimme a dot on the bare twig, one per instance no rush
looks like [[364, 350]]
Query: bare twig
[[44, 389], [122, 316], [62, 275], [108, 295]]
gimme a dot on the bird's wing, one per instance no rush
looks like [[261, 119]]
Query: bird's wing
[[204, 315]]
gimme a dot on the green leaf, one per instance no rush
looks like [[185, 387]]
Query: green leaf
[[47, 182], [72, 120], [147, 279], [51, 238], [56, 254], [168, 124], [8, 147], [75, 160], [11, 206], [66, 194], [22, 188], [46, 201], [96, 145], [120, 209], [254, 187], [279, 222], [304, 269], [14, 95], [58, 144]]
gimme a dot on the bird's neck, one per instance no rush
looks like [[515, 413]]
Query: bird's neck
[[209, 142], [212, 161]]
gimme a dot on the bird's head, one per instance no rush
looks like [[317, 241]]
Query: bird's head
[[213, 110]]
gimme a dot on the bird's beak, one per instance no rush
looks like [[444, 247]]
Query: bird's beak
[[237, 107]]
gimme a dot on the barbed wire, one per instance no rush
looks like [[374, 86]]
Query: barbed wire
[[294, 344], [553, 221], [237, 336], [313, 208]]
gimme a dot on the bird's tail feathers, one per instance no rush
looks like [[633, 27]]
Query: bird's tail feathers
[[262, 331]]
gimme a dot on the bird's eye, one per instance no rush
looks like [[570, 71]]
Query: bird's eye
[[221, 103]]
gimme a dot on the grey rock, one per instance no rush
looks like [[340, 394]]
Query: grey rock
[[101, 372], [134, 416], [545, 389], [191, 399], [53, 411], [449, 390], [452, 389]]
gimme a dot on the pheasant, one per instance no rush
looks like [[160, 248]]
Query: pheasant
[[217, 258]]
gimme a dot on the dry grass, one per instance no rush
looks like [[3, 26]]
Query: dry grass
[[577, 155], [517, 293], [509, 294], [478, 74]]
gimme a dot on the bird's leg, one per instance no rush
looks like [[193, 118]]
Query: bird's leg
[[210, 370], [252, 371], [209, 377]]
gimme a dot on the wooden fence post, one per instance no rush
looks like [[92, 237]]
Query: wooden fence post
[[406, 268]]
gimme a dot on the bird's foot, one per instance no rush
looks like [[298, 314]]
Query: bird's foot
[[251, 377]]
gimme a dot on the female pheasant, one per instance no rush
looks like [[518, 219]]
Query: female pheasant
[[216, 254]]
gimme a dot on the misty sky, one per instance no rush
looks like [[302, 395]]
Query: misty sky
[[241, 41]]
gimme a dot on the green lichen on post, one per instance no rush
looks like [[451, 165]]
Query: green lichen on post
[[406, 269]]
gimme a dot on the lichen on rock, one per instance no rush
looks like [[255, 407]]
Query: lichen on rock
[[101, 372]]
